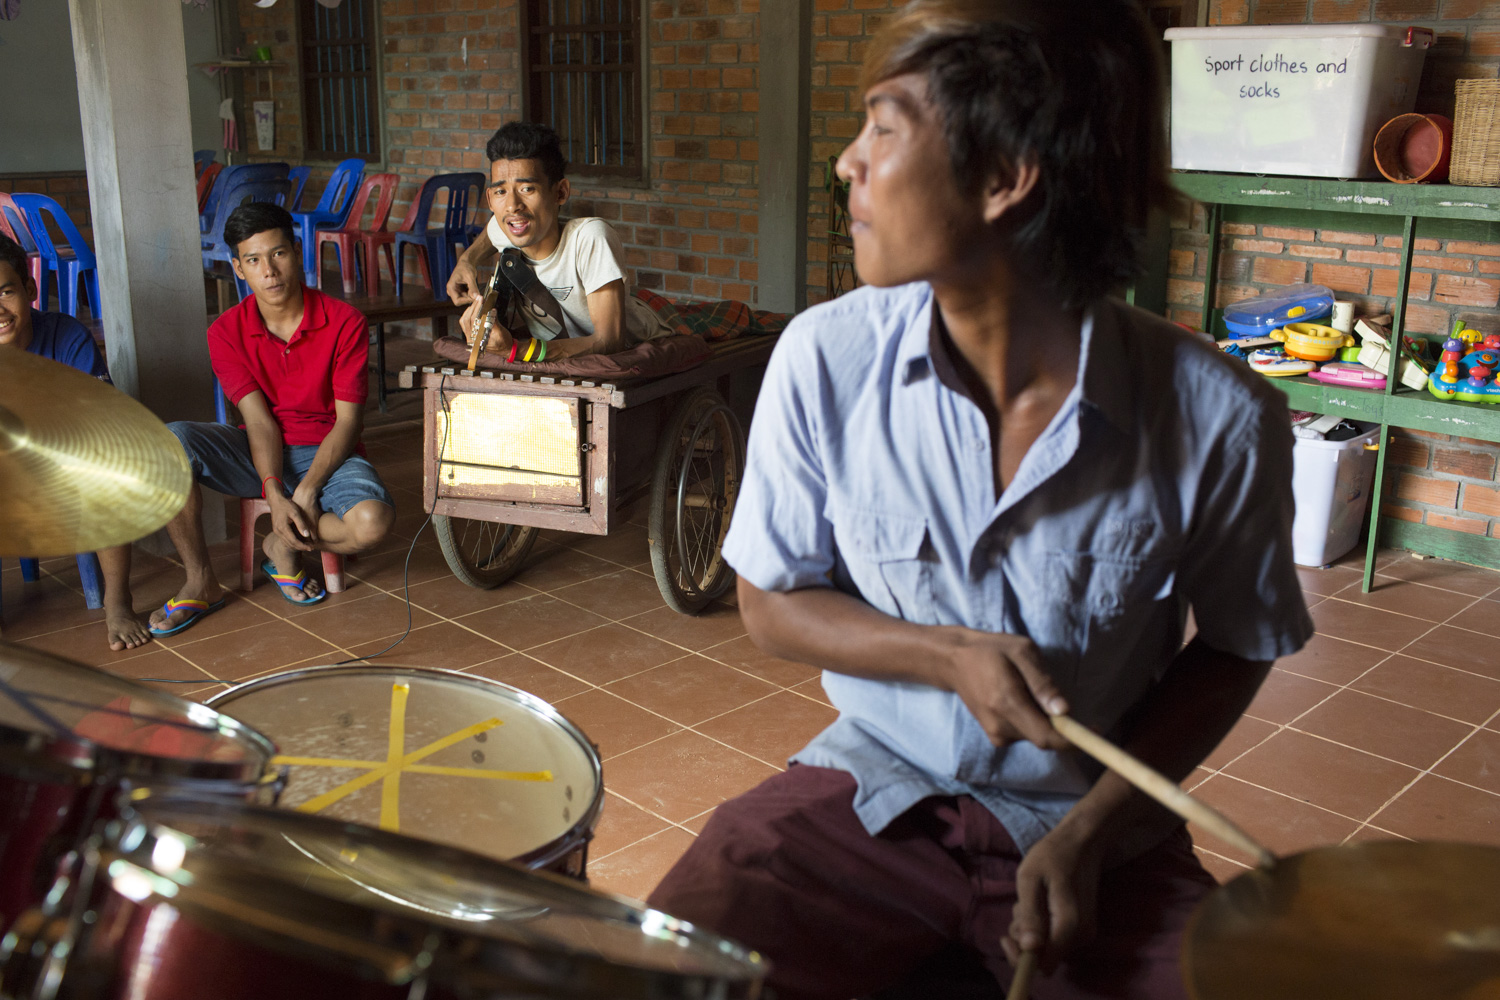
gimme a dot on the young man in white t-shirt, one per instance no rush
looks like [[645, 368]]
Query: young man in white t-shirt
[[580, 262]]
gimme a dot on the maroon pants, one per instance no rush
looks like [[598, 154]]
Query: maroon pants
[[788, 870]]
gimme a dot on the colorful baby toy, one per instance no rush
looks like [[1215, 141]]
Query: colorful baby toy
[[1466, 369], [1276, 364], [1312, 341]]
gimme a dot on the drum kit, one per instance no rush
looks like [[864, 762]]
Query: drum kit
[[360, 832], [415, 834]]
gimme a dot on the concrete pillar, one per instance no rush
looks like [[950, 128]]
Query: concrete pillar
[[137, 138], [785, 120]]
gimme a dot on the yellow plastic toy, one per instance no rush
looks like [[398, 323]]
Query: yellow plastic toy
[[1312, 341]]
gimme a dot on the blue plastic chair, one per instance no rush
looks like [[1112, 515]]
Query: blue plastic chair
[[75, 266], [434, 243], [331, 213], [230, 176], [201, 159], [13, 223], [88, 572], [299, 176], [215, 247]]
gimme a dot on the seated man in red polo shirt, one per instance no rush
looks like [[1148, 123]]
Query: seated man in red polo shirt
[[292, 360]]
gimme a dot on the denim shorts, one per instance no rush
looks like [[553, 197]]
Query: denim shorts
[[220, 457]]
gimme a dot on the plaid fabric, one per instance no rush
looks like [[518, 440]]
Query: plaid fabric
[[714, 320]]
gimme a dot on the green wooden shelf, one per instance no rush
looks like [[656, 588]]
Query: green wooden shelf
[[1312, 194], [1433, 210], [1416, 410]]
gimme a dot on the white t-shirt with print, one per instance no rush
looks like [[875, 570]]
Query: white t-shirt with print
[[588, 257]]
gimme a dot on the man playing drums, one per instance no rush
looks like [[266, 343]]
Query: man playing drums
[[292, 360], [580, 262], [980, 492]]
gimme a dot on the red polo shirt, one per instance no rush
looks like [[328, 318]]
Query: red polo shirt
[[324, 361]]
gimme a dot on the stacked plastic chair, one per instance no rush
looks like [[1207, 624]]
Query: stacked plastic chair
[[75, 265], [436, 246], [215, 247], [229, 177], [13, 224], [332, 212], [356, 247]]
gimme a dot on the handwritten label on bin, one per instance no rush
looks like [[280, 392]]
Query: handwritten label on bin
[[1266, 70]]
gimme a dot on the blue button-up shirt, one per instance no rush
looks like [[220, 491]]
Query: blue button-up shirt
[[1162, 483]]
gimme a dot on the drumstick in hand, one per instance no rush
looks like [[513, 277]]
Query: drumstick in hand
[[1160, 787], [1020, 983]]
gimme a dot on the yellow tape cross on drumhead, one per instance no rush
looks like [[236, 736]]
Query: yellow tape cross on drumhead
[[396, 762]]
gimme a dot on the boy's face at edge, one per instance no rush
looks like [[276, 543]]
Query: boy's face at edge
[[16, 294]]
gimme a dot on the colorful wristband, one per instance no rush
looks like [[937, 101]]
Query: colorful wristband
[[530, 349], [541, 350], [511, 357], [269, 479]]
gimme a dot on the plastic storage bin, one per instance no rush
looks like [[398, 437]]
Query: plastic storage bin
[[1331, 481], [1304, 100], [1257, 317]]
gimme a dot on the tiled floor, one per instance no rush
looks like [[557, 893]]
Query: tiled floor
[[1386, 725]]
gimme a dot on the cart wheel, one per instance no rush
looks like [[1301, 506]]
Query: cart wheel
[[699, 464], [483, 554]]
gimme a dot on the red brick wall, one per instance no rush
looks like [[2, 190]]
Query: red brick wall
[[1435, 479], [690, 231]]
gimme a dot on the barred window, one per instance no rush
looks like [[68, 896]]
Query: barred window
[[340, 91], [583, 77]]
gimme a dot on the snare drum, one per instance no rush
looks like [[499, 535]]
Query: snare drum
[[74, 739], [197, 898], [434, 754]]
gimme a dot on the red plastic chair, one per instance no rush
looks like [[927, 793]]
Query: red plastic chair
[[354, 243], [13, 223], [251, 510], [206, 183]]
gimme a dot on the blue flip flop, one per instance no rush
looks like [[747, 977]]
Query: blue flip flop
[[283, 581], [199, 609]]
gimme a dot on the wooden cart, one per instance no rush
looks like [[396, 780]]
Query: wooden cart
[[505, 455]]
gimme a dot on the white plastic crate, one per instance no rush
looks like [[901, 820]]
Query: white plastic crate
[[1303, 100]]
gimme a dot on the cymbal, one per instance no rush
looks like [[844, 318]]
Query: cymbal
[[83, 466], [1372, 921]]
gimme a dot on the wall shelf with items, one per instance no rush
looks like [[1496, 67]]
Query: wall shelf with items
[[1438, 211]]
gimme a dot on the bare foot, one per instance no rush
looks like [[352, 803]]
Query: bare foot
[[126, 630], [163, 622], [288, 561]]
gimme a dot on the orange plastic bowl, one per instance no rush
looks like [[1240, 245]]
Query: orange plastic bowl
[[1413, 148]]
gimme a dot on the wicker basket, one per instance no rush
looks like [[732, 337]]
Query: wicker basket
[[1476, 134]]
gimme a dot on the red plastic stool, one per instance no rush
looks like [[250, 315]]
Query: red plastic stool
[[251, 508]]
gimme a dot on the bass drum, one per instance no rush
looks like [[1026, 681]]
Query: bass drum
[[193, 899]]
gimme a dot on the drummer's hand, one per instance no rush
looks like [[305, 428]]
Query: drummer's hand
[[1057, 887], [1003, 681], [463, 283], [290, 522]]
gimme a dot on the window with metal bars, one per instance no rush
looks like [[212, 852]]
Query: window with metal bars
[[583, 77], [340, 90]]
